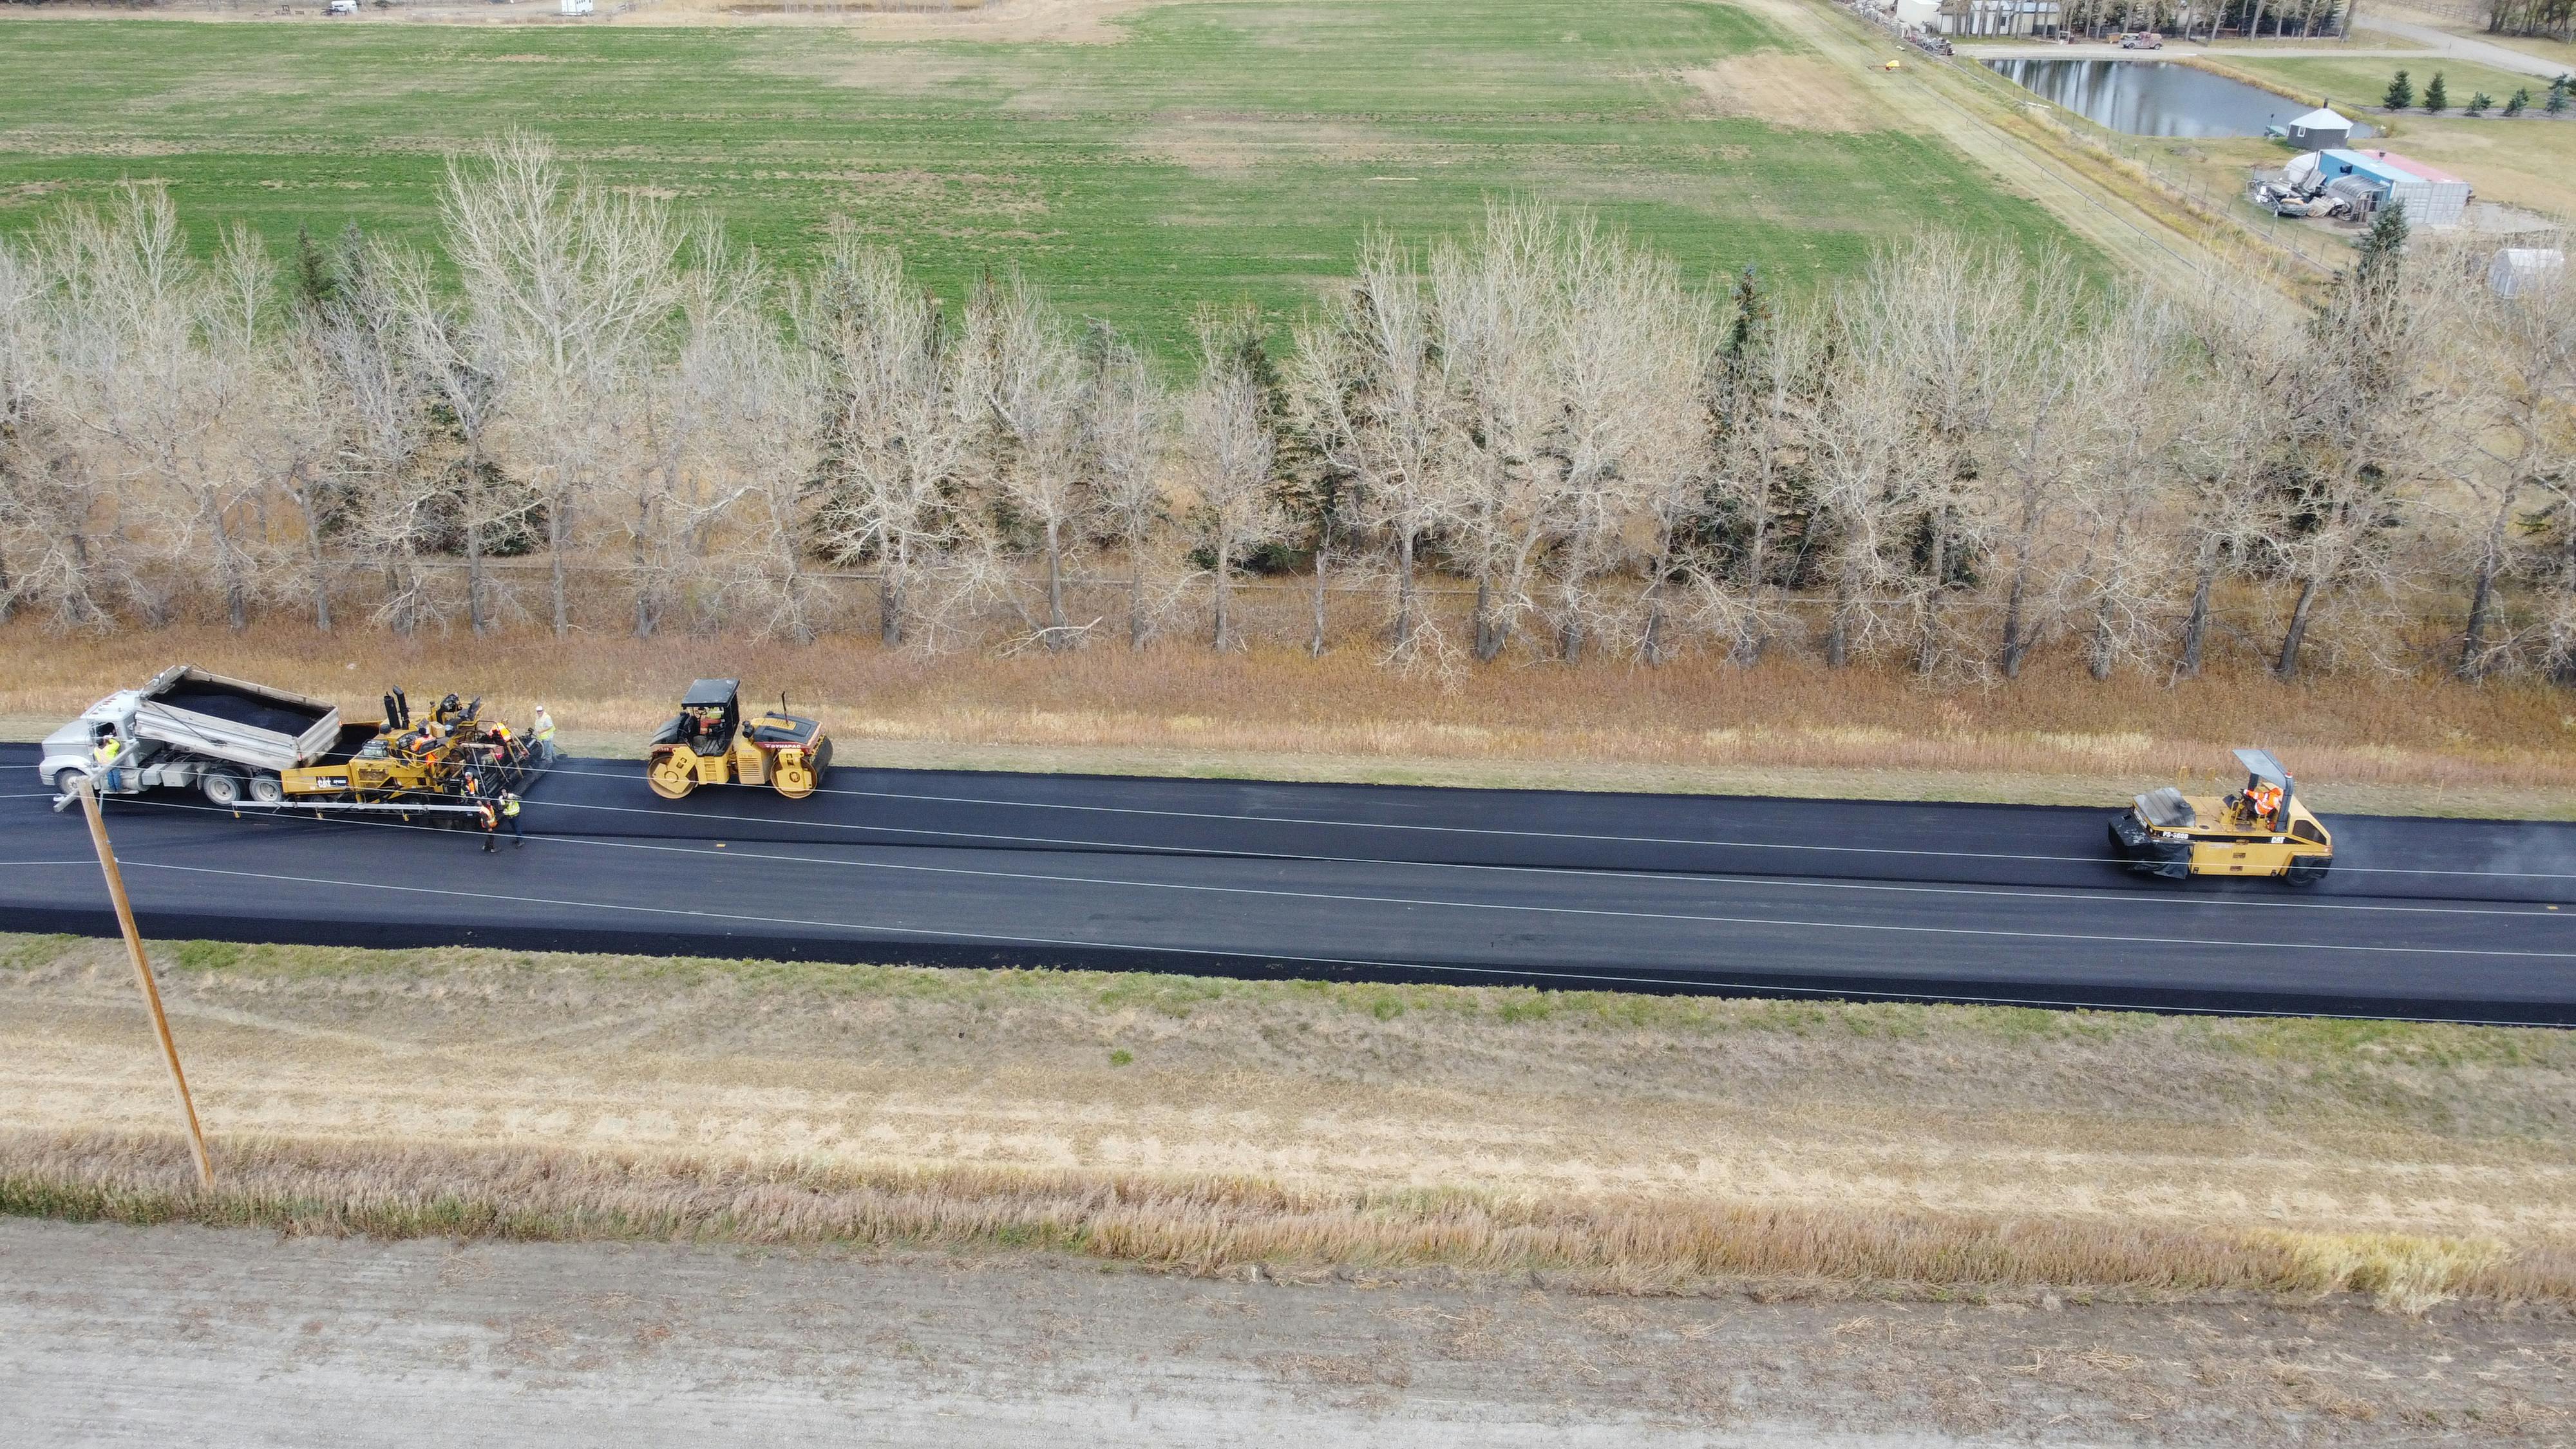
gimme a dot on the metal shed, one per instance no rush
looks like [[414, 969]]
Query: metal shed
[[2436, 200], [2318, 130], [2519, 271]]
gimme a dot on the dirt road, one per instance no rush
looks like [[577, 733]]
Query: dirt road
[[2501, 57], [183, 1335]]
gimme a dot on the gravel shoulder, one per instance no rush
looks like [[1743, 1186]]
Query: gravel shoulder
[[177, 1334]]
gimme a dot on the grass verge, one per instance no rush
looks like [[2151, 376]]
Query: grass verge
[[1218, 1225], [1605, 1142]]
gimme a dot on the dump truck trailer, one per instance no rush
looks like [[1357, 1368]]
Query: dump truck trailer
[[246, 746]]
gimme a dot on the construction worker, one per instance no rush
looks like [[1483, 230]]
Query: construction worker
[[2267, 800], [491, 821], [545, 735], [510, 812], [109, 747]]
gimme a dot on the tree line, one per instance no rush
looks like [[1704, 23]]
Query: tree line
[[1961, 457]]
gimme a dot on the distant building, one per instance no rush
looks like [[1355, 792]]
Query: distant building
[[2518, 270], [2000, 17], [2432, 197], [2318, 130]]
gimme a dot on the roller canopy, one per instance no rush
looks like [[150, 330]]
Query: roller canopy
[[2167, 810], [2261, 765], [711, 691]]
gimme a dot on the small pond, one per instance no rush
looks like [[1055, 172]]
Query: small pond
[[2157, 98]]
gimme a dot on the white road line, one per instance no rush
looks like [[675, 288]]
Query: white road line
[[1344, 898], [1588, 872], [1534, 834], [1702, 983]]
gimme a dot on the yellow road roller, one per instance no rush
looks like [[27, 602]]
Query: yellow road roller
[[710, 743], [2261, 830]]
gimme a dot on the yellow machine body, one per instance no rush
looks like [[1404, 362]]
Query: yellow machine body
[[2261, 830], [709, 743], [398, 760]]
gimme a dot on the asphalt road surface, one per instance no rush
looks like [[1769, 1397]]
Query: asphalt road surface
[[2463, 919]]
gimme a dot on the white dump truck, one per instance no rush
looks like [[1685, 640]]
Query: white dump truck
[[188, 729], [247, 746]]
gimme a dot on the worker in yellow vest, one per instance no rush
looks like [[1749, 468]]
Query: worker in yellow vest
[[545, 736], [510, 812]]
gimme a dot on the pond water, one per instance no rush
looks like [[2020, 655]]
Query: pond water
[[2157, 98]]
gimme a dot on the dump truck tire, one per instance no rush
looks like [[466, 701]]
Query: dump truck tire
[[222, 788], [67, 780], [267, 789]]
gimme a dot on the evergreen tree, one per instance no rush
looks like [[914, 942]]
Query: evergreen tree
[[2437, 97], [2374, 272], [314, 279], [2401, 93], [2513, 104], [2558, 94], [1744, 329], [2478, 103]]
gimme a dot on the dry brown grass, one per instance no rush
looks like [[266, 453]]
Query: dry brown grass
[[1620, 1143], [1786, 727], [1215, 1225]]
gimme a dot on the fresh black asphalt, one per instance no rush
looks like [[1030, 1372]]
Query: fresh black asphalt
[[2434, 918]]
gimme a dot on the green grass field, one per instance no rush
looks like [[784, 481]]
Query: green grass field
[[2528, 162], [2364, 81], [1220, 150]]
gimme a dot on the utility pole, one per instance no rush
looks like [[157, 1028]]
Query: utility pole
[[143, 978]]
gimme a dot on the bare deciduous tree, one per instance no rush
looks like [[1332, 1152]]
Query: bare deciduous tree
[[897, 420], [1368, 389], [1034, 385], [1227, 455], [2355, 434], [571, 286], [1942, 324], [2506, 375], [1491, 298], [1125, 432]]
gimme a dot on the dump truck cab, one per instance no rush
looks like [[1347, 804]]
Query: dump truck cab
[[709, 742], [2263, 829]]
